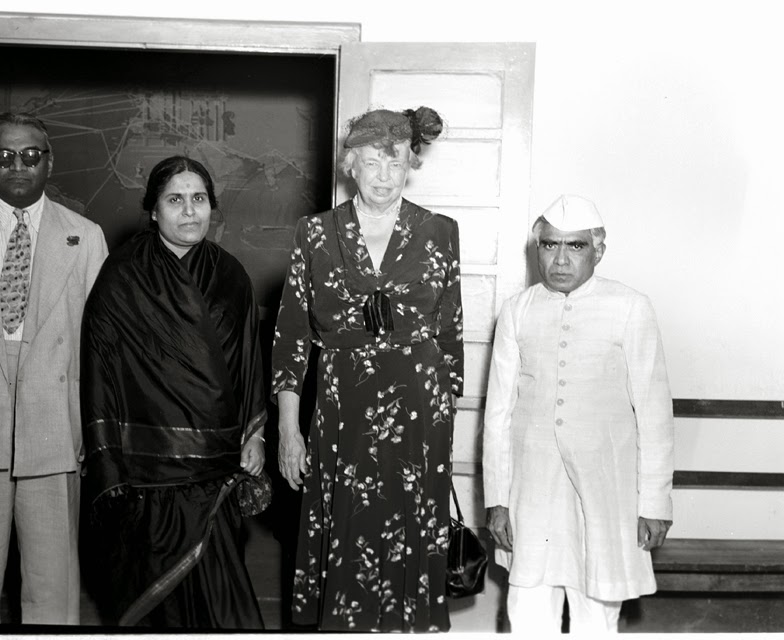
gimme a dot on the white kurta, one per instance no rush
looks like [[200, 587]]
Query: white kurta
[[578, 436]]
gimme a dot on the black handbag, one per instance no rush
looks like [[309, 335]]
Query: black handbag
[[466, 558]]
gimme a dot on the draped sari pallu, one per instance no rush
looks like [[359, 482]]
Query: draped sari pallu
[[171, 388]]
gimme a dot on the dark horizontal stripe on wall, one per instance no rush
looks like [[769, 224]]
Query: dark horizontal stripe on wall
[[728, 480], [686, 408]]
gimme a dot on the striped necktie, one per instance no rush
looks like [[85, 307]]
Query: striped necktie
[[15, 277]]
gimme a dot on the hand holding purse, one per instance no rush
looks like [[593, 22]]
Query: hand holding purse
[[254, 493]]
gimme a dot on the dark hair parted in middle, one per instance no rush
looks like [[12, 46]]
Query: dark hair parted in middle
[[165, 170]]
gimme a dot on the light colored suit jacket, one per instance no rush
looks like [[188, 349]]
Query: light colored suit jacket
[[69, 253]]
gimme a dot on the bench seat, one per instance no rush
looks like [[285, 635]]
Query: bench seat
[[684, 564]]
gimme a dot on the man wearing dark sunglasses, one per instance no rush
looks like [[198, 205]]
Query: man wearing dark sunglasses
[[51, 257]]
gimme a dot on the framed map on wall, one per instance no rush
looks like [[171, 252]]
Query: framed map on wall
[[262, 124]]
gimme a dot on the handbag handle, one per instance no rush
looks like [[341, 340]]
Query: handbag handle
[[457, 505]]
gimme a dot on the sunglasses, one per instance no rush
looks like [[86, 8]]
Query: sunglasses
[[30, 157]]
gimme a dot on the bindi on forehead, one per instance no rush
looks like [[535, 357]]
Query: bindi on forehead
[[186, 179], [188, 186]]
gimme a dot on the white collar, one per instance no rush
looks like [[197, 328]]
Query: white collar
[[34, 212], [584, 289]]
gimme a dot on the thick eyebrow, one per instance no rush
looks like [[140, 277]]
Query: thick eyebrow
[[572, 243]]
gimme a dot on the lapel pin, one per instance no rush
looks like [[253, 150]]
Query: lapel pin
[[72, 240]]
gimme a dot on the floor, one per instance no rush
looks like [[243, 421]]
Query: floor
[[662, 613]]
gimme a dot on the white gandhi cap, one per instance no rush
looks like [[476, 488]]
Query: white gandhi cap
[[573, 213]]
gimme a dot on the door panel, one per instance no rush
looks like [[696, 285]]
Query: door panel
[[471, 100]]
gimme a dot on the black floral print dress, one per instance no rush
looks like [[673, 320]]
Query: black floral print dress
[[375, 515]]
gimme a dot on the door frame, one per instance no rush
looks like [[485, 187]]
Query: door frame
[[100, 32]]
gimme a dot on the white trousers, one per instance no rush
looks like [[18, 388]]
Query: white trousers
[[537, 611]]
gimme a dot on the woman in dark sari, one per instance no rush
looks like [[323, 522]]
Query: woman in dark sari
[[375, 283], [173, 415]]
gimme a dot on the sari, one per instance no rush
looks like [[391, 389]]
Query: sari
[[171, 388]]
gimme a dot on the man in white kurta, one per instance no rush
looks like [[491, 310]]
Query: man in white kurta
[[578, 434]]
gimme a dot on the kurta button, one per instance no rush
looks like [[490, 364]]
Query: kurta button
[[566, 327], [568, 307], [62, 378], [562, 363], [562, 383], [563, 344], [60, 340], [559, 402], [559, 422]]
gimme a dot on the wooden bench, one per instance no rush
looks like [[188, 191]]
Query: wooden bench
[[723, 565]]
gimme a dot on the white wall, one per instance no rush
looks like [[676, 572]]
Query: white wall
[[670, 116]]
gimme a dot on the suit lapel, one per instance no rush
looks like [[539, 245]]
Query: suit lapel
[[52, 263]]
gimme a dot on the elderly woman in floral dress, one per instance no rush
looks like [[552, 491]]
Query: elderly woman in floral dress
[[375, 284]]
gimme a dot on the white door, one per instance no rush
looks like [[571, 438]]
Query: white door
[[477, 173]]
